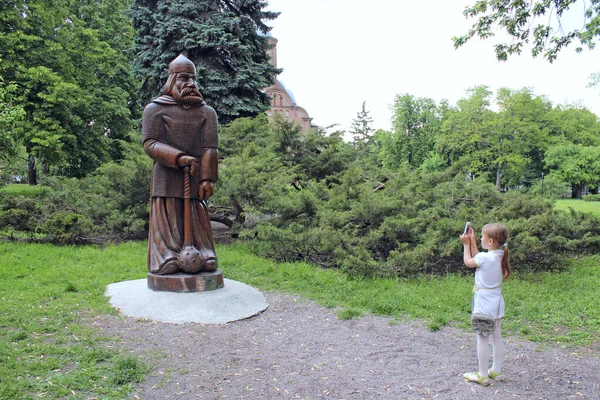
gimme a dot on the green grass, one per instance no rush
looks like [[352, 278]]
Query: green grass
[[592, 207], [439, 300], [562, 308], [23, 190], [50, 295]]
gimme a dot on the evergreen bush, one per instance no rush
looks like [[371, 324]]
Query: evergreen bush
[[18, 213], [66, 227], [312, 200], [412, 226], [112, 202]]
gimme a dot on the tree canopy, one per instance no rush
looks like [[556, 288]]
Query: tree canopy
[[67, 65], [538, 22], [508, 142], [10, 115], [222, 37]]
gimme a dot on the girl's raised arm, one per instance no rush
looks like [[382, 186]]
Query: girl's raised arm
[[465, 238], [474, 248]]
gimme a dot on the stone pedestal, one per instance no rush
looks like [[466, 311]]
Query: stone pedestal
[[186, 283]]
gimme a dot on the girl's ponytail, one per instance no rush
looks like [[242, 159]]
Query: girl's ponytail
[[505, 262]]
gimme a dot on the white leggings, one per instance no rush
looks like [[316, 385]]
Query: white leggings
[[483, 355]]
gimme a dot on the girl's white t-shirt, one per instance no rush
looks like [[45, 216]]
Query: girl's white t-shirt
[[488, 298], [488, 275]]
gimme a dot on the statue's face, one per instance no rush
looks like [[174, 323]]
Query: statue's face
[[185, 90]]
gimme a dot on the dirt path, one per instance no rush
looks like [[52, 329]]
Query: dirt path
[[297, 349]]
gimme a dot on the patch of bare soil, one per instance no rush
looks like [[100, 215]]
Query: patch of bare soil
[[297, 349]]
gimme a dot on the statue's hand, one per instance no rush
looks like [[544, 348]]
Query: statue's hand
[[205, 190], [188, 161]]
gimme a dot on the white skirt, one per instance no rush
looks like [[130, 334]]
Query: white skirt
[[488, 302]]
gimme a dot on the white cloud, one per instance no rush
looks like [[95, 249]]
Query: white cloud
[[337, 54]]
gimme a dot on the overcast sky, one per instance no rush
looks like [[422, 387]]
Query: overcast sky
[[338, 53]]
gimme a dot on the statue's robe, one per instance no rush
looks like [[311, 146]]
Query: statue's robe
[[170, 130]]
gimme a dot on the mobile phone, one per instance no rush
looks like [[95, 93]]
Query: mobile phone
[[467, 225]]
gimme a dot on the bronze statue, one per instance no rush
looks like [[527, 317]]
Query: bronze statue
[[179, 132]]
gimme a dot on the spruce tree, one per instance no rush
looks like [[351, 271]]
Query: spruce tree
[[361, 127], [222, 37]]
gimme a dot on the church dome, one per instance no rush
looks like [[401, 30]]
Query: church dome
[[288, 91]]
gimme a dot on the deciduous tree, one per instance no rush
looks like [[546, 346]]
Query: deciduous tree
[[69, 62], [575, 124], [464, 129], [537, 22], [577, 165], [10, 115], [521, 135], [415, 122]]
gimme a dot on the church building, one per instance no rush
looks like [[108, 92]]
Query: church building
[[282, 99]]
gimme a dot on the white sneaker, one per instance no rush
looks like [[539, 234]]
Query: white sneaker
[[475, 377], [497, 376]]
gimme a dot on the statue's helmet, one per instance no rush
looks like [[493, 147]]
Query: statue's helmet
[[182, 64]]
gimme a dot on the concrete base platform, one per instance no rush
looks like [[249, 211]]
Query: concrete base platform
[[233, 302]]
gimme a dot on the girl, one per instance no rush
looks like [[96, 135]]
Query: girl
[[492, 268]]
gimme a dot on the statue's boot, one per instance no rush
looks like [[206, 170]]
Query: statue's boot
[[210, 265]]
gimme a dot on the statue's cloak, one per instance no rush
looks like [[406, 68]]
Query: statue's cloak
[[170, 130]]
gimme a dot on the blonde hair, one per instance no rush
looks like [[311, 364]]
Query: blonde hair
[[499, 233]]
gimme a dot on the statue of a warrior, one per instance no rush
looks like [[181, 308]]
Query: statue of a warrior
[[180, 135]]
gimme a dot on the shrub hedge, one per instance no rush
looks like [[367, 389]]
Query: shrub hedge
[[412, 226]]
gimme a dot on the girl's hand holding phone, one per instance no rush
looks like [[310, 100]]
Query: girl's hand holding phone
[[468, 232]]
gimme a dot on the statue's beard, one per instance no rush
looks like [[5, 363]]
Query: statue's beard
[[188, 95]]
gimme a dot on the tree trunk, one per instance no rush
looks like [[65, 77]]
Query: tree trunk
[[45, 167], [32, 171], [576, 191], [239, 217], [239, 211], [222, 219], [499, 174]]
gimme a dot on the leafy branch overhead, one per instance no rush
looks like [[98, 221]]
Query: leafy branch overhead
[[539, 23]]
